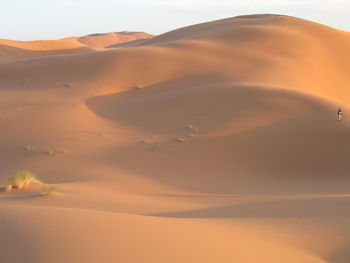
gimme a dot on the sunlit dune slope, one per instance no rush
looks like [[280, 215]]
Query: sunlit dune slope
[[105, 40], [278, 51], [10, 49]]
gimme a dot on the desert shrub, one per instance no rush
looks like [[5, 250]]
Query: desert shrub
[[50, 151], [180, 139], [21, 180], [29, 147], [49, 190], [192, 128]]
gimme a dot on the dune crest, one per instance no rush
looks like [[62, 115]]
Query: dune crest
[[108, 40], [11, 49]]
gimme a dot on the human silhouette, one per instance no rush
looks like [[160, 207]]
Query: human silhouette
[[340, 114]]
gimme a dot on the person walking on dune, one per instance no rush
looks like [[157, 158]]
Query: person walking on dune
[[340, 114]]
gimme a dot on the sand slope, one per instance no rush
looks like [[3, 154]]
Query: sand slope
[[113, 39], [217, 142], [10, 49]]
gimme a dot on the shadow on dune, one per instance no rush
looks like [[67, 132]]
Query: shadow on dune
[[250, 138], [206, 101], [273, 159], [19, 196], [297, 208], [134, 43], [341, 256], [16, 244]]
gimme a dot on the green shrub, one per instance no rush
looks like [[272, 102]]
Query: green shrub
[[50, 151], [21, 180], [29, 147]]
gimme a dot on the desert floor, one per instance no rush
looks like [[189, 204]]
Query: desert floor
[[217, 142]]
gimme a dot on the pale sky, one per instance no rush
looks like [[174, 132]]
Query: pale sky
[[52, 19]]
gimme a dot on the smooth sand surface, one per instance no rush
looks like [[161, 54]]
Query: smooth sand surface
[[11, 49], [217, 142], [113, 39]]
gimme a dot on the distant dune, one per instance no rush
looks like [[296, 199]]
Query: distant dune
[[109, 39], [10, 49], [217, 142]]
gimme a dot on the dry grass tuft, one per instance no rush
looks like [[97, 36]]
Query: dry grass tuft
[[29, 147], [193, 128], [21, 180], [180, 139], [50, 151]]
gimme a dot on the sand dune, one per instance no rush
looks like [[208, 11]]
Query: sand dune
[[10, 49], [278, 51], [109, 40], [217, 142]]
